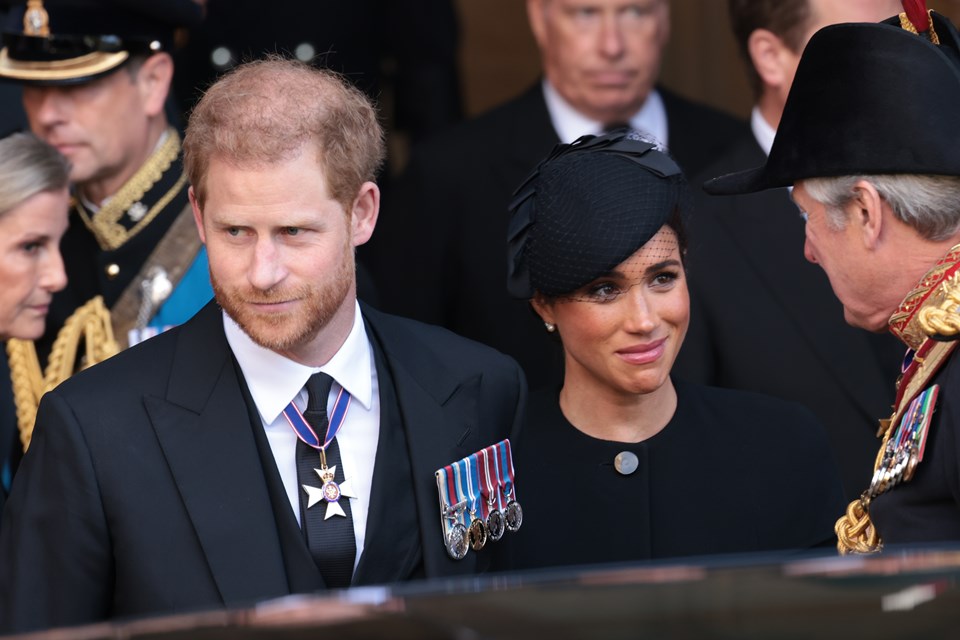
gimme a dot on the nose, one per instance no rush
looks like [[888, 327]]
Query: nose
[[266, 269], [611, 37], [808, 251], [640, 316], [45, 106], [53, 277]]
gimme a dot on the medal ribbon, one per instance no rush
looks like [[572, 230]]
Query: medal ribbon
[[449, 509], [306, 433], [473, 485], [491, 476], [506, 463], [459, 471]]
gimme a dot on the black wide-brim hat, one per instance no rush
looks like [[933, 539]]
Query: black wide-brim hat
[[74, 41], [866, 99]]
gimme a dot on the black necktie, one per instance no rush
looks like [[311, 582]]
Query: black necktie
[[331, 541]]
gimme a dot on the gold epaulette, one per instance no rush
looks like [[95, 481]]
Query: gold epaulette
[[91, 322]]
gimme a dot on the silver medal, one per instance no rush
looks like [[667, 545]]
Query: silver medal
[[513, 515], [457, 541]]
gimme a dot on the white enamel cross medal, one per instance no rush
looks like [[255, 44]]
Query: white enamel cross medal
[[330, 492]]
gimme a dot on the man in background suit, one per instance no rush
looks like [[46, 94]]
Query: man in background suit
[[170, 478], [441, 256], [763, 318]]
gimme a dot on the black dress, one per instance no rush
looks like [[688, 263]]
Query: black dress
[[731, 472]]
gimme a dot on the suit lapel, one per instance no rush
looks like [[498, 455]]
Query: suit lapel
[[439, 412], [204, 430]]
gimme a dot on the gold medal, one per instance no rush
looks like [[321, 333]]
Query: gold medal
[[478, 534]]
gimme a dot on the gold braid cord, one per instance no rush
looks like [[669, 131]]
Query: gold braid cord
[[941, 319], [91, 322], [855, 532], [908, 26]]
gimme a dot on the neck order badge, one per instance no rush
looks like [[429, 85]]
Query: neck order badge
[[331, 491]]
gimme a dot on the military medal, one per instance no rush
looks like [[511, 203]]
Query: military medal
[[494, 517], [455, 536], [905, 448], [513, 513], [330, 490], [478, 528]]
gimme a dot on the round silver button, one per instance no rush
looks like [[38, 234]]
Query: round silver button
[[626, 462]]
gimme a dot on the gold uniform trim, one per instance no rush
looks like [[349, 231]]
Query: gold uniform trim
[[105, 224], [91, 322], [89, 64]]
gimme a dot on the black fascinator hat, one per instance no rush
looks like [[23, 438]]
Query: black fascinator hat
[[585, 209]]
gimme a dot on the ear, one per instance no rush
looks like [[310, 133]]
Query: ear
[[197, 215], [153, 79], [767, 51], [366, 209], [866, 211], [538, 21], [544, 308]]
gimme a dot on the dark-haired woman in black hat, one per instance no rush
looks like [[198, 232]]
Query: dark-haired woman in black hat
[[625, 463]]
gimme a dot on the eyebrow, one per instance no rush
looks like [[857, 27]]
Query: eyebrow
[[652, 268]]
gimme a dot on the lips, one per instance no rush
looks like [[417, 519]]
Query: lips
[[610, 78], [643, 353]]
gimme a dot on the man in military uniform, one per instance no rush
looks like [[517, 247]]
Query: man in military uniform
[[868, 141], [96, 76]]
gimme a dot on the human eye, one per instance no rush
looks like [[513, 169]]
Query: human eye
[[31, 246], [639, 10], [291, 231], [665, 279], [583, 14], [603, 292]]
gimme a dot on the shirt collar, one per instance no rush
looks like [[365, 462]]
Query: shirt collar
[[570, 124], [762, 130], [275, 380]]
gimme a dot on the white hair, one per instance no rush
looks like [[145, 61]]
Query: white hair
[[928, 203]]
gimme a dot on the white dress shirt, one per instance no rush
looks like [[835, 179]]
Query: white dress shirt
[[762, 130], [274, 381], [570, 124]]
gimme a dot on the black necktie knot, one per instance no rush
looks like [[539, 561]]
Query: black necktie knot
[[318, 390]]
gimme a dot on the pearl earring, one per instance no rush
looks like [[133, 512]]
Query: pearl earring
[[550, 327]]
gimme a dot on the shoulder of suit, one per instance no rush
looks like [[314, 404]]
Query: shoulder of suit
[[404, 336]]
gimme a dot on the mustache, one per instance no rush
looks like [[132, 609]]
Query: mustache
[[271, 296]]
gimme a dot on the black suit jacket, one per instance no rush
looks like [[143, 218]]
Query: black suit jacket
[[764, 319], [439, 254], [143, 491]]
